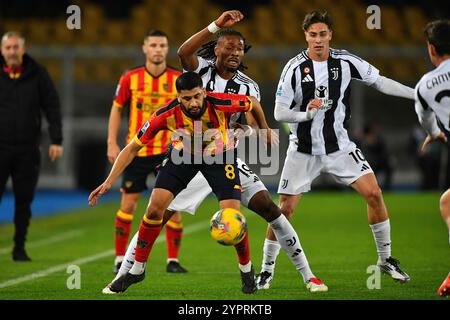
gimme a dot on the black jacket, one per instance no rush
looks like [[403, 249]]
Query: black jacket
[[21, 102]]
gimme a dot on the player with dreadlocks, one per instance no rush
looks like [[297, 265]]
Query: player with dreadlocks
[[219, 63], [206, 51]]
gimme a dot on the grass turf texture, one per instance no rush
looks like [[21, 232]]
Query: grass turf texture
[[332, 227]]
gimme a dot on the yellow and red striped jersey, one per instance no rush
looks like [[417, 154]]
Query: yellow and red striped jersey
[[216, 112], [144, 93]]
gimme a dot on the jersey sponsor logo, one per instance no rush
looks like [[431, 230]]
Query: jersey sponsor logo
[[148, 107], [365, 167], [322, 94], [307, 78], [334, 73]]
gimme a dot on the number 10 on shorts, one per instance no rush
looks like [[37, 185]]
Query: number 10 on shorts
[[357, 156]]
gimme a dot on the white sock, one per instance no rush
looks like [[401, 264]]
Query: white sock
[[270, 251], [128, 260], [245, 267], [118, 259], [382, 235], [290, 242], [137, 268]]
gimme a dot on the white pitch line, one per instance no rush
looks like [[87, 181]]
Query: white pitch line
[[43, 273], [57, 268], [50, 240]]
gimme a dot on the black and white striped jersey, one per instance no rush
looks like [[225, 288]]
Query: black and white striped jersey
[[239, 84], [303, 79], [432, 94]]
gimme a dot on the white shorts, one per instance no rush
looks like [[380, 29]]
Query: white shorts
[[250, 182], [197, 190], [300, 169], [190, 198]]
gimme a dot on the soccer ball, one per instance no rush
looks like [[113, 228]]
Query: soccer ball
[[228, 226]]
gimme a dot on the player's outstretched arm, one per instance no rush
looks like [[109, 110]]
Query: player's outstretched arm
[[257, 113], [270, 138], [123, 160], [393, 88], [115, 119], [188, 50]]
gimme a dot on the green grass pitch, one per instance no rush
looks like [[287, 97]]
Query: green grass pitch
[[332, 227]]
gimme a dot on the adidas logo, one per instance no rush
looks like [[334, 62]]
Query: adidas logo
[[307, 78], [365, 167]]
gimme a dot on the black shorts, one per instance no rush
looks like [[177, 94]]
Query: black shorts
[[223, 178], [135, 175]]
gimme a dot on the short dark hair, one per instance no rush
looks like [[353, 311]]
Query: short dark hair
[[317, 17], [188, 81], [438, 34], [156, 33]]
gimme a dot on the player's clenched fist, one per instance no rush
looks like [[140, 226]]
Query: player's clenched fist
[[312, 108], [97, 193], [229, 18], [314, 104]]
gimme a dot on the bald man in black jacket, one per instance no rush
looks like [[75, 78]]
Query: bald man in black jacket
[[26, 91]]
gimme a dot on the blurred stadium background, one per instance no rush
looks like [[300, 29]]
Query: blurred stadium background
[[86, 65]]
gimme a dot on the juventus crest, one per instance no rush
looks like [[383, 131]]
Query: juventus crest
[[334, 73]]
